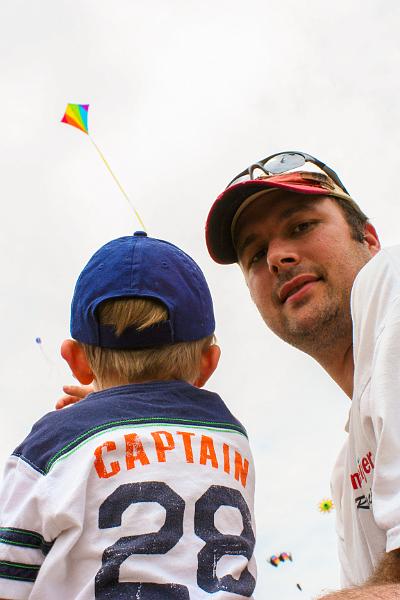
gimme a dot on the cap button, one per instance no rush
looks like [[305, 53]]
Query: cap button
[[140, 234]]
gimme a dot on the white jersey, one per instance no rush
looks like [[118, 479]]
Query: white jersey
[[366, 479], [141, 491]]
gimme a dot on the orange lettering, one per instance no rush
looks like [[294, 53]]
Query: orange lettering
[[187, 444], [160, 446], [227, 466], [207, 451], [134, 451], [99, 463], [241, 469]]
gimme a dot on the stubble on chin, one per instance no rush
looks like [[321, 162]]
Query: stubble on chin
[[326, 326]]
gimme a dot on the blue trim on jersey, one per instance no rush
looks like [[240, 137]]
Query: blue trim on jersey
[[24, 538], [18, 571], [166, 402]]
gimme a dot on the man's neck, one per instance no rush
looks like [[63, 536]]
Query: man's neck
[[339, 365]]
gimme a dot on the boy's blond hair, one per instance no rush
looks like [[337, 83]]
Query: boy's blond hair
[[120, 367]]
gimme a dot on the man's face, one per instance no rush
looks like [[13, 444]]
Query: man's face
[[299, 261]]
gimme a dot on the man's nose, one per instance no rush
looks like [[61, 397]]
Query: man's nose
[[281, 257]]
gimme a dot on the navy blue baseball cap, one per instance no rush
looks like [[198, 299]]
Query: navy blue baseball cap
[[142, 267]]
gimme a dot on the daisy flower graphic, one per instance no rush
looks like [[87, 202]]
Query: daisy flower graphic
[[326, 506]]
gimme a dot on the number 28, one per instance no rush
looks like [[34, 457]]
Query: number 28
[[107, 585]]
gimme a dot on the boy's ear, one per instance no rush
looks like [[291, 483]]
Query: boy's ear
[[209, 362], [74, 354]]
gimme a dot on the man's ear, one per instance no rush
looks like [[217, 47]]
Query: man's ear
[[74, 354], [371, 239], [209, 362]]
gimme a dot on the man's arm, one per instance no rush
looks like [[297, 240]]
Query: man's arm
[[383, 585], [390, 591]]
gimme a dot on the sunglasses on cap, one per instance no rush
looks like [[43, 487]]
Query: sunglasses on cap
[[282, 162]]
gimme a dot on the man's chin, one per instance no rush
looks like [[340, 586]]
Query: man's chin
[[310, 330], [300, 330], [302, 317], [295, 331]]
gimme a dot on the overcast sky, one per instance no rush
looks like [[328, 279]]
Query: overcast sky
[[183, 95]]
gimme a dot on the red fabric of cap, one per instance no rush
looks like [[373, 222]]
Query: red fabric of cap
[[219, 220]]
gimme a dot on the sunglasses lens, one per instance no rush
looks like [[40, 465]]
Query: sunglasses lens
[[257, 172], [284, 162]]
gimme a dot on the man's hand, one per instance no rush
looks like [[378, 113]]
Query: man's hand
[[383, 585], [73, 393], [390, 591]]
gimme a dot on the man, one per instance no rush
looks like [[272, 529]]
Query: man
[[313, 266]]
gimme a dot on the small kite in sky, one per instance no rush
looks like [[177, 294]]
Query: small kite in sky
[[274, 560], [326, 506], [77, 116], [285, 556]]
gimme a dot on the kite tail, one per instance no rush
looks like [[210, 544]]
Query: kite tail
[[117, 182]]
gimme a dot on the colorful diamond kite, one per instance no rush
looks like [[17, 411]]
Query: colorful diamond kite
[[77, 116]]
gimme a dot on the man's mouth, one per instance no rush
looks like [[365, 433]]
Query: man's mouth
[[292, 287]]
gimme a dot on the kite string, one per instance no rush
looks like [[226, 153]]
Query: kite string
[[294, 577], [117, 182], [47, 359]]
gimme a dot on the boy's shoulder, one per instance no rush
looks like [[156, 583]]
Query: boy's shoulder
[[58, 433]]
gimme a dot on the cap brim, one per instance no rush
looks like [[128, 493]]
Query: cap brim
[[219, 222]]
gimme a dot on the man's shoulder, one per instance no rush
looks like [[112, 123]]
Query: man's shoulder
[[375, 297], [380, 276], [386, 261]]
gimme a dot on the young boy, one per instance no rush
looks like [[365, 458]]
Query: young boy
[[144, 489]]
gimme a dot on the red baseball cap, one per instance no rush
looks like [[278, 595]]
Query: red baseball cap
[[230, 204]]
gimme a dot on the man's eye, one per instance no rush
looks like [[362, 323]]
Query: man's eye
[[301, 227], [258, 256]]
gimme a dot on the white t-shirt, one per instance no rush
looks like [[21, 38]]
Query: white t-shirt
[[141, 491], [366, 478]]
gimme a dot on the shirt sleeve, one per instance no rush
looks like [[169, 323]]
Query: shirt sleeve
[[385, 414], [24, 540]]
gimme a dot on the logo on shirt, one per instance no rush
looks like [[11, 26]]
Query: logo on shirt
[[360, 477], [365, 468], [364, 501]]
